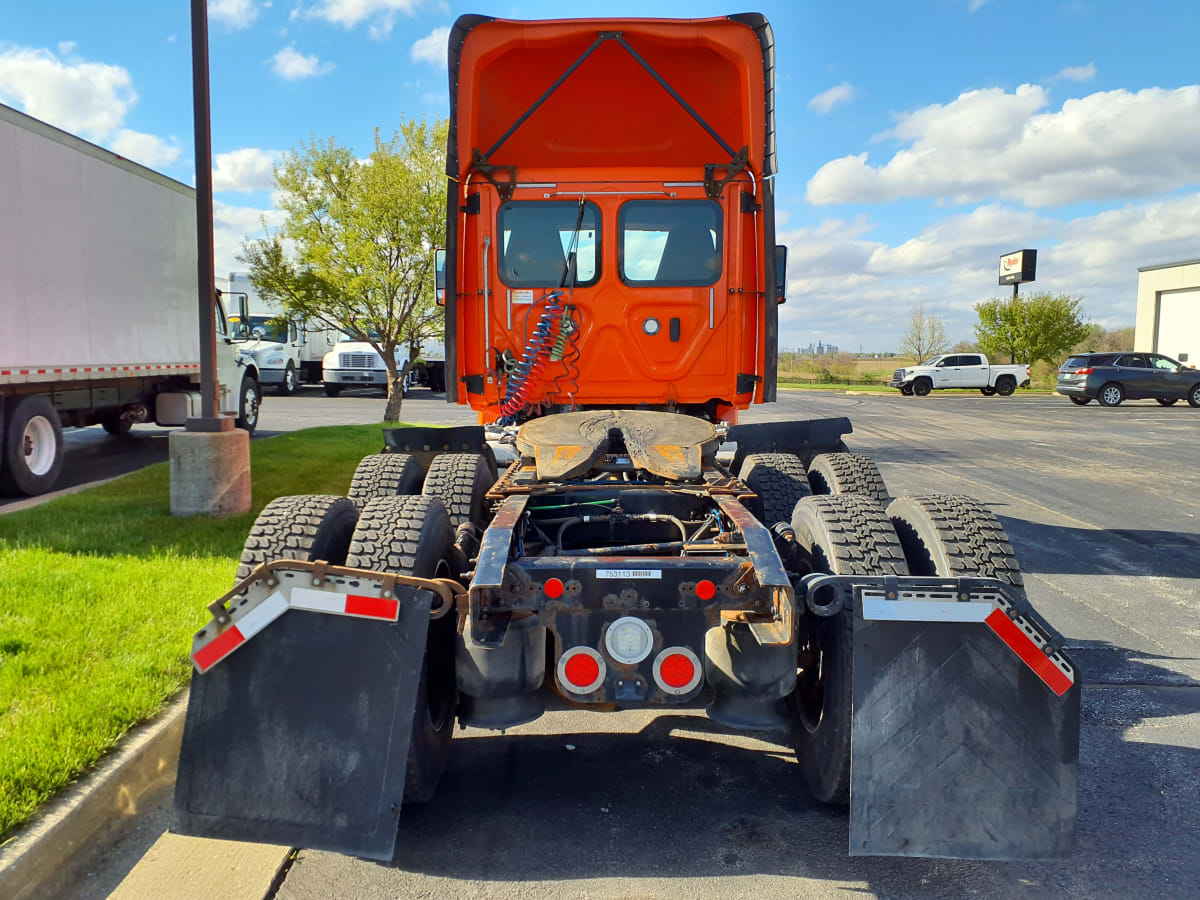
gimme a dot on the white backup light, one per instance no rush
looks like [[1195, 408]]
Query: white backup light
[[628, 640]]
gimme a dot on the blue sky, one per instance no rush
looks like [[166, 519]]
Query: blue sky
[[917, 141]]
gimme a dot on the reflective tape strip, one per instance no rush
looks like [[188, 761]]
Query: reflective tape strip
[[346, 604], [877, 608], [1030, 653], [234, 636]]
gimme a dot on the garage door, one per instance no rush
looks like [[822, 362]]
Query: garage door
[[1178, 326]]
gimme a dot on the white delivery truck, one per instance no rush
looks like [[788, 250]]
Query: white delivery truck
[[960, 370], [287, 351], [98, 301]]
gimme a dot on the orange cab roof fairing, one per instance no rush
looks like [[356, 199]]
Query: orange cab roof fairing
[[597, 93]]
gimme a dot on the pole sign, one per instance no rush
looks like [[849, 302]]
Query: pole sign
[[1018, 267]]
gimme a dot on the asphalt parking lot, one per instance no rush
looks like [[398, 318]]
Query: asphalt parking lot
[[1103, 508]]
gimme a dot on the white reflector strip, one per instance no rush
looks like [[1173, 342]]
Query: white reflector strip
[[318, 601], [877, 608], [262, 615]]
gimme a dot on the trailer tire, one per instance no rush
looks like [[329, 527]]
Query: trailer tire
[[780, 482], [846, 473], [922, 386], [412, 536], [952, 536], [847, 534], [31, 447], [461, 481], [116, 425], [307, 527], [385, 475], [249, 402], [290, 383]]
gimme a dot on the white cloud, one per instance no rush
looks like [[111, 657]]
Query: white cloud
[[1078, 73], [234, 13], [66, 48], [974, 5], [431, 48], [291, 64], [827, 100], [85, 98], [246, 170], [380, 14], [147, 149], [232, 225], [991, 143], [845, 288]]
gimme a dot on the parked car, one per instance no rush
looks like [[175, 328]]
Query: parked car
[[960, 370], [1113, 377]]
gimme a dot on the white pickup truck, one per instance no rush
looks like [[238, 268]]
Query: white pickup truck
[[960, 370]]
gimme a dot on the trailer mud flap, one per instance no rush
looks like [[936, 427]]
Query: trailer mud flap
[[301, 737], [966, 726]]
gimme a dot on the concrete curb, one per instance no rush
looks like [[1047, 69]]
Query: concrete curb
[[67, 840]]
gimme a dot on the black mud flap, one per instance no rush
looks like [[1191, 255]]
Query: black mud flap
[[301, 737], [966, 729]]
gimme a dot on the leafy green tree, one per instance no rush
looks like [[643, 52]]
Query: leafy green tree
[[355, 250], [1102, 340], [1031, 327]]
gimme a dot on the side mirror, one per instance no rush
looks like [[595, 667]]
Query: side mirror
[[439, 276], [258, 332], [780, 273]]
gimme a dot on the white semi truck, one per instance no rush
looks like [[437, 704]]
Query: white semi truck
[[98, 301], [287, 351]]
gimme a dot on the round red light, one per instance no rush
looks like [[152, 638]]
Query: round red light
[[677, 670], [705, 589], [581, 670], [553, 588]]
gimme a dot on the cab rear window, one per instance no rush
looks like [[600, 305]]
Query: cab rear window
[[670, 242], [536, 236]]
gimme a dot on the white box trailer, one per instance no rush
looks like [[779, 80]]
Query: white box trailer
[[98, 301]]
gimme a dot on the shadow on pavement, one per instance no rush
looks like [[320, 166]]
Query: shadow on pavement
[[1057, 549], [679, 799]]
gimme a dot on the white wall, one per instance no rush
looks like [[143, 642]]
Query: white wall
[[1168, 311]]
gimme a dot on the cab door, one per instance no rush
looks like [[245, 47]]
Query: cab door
[[972, 371], [945, 373], [1171, 380], [229, 372]]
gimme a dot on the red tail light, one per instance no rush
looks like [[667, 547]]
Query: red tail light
[[1088, 371], [677, 670], [581, 670]]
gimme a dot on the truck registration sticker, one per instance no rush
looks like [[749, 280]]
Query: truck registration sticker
[[626, 574]]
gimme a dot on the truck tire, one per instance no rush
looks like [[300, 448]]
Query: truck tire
[[847, 473], [115, 424], [988, 391], [951, 536], [847, 534], [290, 383], [331, 389], [779, 480], [460, 481], [1005, 385], [385, 475], [906, 390], [306, 528], [249, 401], [31, 446], [412, 536], [922, 386]]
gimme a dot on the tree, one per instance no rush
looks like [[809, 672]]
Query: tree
[[1026, 329], [1102, 340], [362, 234], [965, 347], [926, 335]]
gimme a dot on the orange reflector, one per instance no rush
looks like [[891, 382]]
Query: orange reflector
[[705, 589], [553, 588], [677, 670], [581, 670]]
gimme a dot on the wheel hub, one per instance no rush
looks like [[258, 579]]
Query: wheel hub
[[37, 442]]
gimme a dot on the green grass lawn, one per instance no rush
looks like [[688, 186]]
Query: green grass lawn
[[100, 592]]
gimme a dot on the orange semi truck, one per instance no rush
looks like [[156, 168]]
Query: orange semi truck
[[611, 537]]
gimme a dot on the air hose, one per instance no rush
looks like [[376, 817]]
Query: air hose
[[524, 377]]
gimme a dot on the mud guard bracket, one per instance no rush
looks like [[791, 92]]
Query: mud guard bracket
[[301, 737]]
